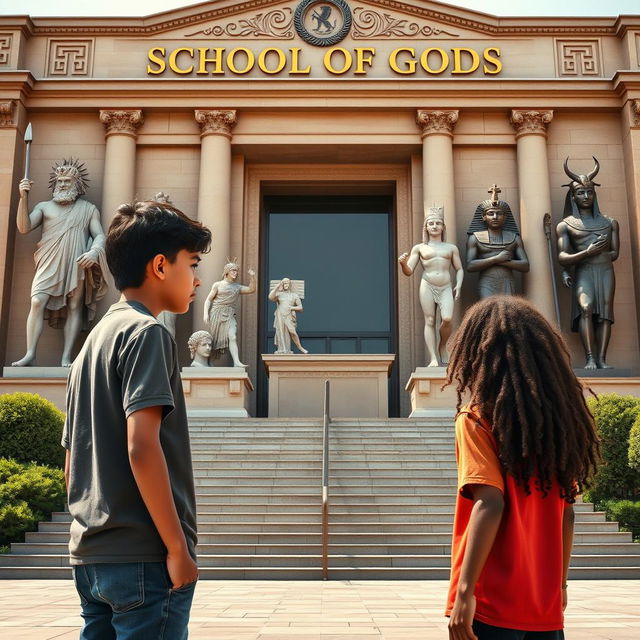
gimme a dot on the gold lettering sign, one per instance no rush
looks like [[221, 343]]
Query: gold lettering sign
[[271, 61]]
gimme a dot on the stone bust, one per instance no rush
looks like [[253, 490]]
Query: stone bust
[[200, 344]]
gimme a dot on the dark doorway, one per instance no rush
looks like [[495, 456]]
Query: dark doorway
[[343, 248]]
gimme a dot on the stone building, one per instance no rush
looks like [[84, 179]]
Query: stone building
[[310, 136]]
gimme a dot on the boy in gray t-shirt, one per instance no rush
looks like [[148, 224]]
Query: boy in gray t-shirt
[[128, 462]]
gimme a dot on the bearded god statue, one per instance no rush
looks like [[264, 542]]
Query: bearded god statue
[[437, 291], [588, 245], [494, 247], [70, 261]]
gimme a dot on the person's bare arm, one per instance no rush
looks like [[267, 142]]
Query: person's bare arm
[[27, 222], [614, 252], [251, 287], [67, 469], [567, 259], [568, 520], [90, 258], [483, 526], [149, 469], [273, 294]]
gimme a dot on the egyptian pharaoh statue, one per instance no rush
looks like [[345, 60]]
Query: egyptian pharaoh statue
[[71, 267], [494, 247], [588, 243]]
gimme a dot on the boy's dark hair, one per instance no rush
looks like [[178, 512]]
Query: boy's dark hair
[[142, 230], [517, 370]]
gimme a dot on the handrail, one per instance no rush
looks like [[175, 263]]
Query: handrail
[[325, 484]]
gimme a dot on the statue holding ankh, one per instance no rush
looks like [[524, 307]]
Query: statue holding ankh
[[71, 272]]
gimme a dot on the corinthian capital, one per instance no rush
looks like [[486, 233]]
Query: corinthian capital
[[635, 113], [7, 108], [124, 122], [216, 121], [528, 123], [441, 122]]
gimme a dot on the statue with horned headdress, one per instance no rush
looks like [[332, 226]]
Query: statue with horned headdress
[[588, 244], [437, 292], [70, 262], [494, 247], [220, 309]]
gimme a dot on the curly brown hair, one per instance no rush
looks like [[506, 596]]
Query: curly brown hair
[[517, 371]]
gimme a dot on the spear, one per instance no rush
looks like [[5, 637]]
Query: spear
[[546, 223], [28, 138]]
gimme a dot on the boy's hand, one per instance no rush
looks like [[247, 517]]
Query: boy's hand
[[564, 599], [462, 618], [182, 568]]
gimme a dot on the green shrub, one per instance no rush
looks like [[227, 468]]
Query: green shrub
[[625, 512], [614, 415], [28, 493], [30, 429], [634, 445]]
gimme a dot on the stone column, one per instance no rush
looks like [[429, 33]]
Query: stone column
[[119, 178], [118, 184], [535, 201], [437, 164], [214, 198]]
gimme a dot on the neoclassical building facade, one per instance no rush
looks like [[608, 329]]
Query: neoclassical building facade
[[311, 136]]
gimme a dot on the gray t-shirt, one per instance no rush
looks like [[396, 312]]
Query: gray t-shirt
[[128, 362]]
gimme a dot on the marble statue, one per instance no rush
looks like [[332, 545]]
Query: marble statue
[[220, 309], [288, 304], [494, 247], [167, 318], [588, 244], [437, 257], [200, 345], [71, 272]]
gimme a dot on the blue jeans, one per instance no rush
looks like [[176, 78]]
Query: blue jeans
[[132, 601]]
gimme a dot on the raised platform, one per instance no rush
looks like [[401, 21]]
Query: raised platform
[[216, 392], [427, 398], [359, 384]]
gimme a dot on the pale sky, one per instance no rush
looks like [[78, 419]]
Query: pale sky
[[495, 7]]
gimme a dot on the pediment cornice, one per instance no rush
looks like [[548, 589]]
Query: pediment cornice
[[211, 11]]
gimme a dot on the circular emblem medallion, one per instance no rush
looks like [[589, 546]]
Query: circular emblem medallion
[[322, 22]]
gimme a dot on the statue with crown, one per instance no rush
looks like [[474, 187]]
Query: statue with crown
[[71, 272], [494, 247], [588, 245]]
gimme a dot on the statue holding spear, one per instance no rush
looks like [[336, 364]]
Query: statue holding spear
[[71, 272]]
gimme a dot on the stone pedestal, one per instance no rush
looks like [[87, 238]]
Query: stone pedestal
[[48, 382], [358, 385], [216, 392], [427, 400]]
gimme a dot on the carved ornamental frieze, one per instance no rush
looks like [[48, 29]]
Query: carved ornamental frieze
[[369, 24], [635, 113], [437, 122], [123, 122], [528, 123], [270, 25], [7, 108], [216, 121]]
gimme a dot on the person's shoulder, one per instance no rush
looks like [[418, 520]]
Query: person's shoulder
[[469, 416]]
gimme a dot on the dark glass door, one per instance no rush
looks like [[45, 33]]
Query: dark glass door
[[342, 247]]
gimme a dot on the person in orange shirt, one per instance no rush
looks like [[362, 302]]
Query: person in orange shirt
[[525, 447]]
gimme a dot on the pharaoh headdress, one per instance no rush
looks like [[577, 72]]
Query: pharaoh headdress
[[478, 224]]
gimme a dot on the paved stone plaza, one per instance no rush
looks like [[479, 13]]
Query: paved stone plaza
[[261, 610]]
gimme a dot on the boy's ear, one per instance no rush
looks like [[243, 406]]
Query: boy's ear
[[157, 266]]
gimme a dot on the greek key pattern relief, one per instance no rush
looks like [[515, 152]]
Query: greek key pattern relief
[[578, 58], [70, 58], [6, 40], [273, 25], [369, 24]]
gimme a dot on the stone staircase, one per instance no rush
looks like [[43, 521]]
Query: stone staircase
[[392, 495]]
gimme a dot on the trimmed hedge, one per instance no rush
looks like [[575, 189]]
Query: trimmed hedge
[[625, 512], [614, 416], [30, 429], [28, 494], [634, 445]]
